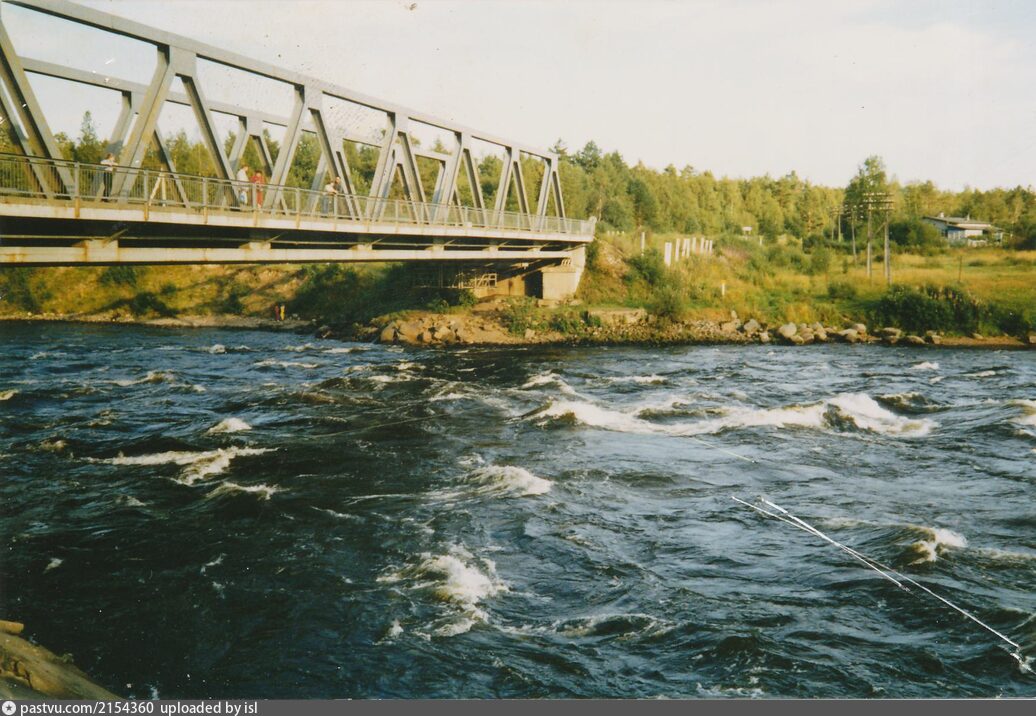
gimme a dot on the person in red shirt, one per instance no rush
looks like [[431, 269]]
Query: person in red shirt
[[260, 181]]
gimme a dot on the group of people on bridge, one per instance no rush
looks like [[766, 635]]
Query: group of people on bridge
[[258, 180]]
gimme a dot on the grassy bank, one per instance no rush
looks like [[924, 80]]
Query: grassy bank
[[992, 291]]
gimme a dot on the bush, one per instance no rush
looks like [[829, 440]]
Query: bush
[[932, 308], [787, 257], [147, 303], [841, 289], [916, 235], [16, 289], [520, 315], [648, 266], [819, 260], [119, 276], [669, 304]]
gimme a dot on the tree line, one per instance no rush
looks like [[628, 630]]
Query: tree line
[[637, 198]]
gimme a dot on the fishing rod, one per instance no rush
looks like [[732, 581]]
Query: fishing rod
[[896, 577]]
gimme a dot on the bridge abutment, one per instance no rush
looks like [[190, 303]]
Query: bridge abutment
[[558, 283]]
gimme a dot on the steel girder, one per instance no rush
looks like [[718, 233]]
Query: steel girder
[[177, 57]]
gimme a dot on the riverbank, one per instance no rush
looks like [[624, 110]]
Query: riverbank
[[30, 672], [495, 323]]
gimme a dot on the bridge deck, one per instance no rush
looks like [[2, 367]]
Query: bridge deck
[[54, 212]]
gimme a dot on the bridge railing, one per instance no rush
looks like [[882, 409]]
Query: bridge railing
[[53, 180]]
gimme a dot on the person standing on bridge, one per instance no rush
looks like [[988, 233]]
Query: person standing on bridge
[[242, 189], [260, 181], [331, 192], [109, 172]]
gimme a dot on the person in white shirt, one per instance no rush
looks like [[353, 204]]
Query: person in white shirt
[[243, 179], [331, 191], [109, 172]]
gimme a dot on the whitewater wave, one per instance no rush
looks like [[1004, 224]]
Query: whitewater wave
[[1028, 407], [939, 540], [981, 374], [230, 425], [338, 351], [508, 479], [925, 365], [456, 579], [218, 349], [549, 378], [197, 465], [273, 362], [859, 409], [261, 491], [153, 377], [7, 394], [637, 379]]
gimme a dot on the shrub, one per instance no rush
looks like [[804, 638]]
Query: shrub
[[119, 276], [933, 308], [520, 315], [841, 289], [819, 260], [669, 304], [648, 266], [147, 303]]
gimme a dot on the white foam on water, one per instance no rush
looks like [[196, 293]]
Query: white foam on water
[[639, 379], [285, 364], [54, 563], [509, 479], [859, 408], [53, 445], [7, 394], [925, 365], [153, 376], [261, 491], [338, 515], [214, 563], [549, 378], [130, 501], [300, 349], [230, 425], [940, 540], [869, 415], [1028, 407], [394, 630], [457, 579], [981, 374], [934, 380], [197, 465], [199, 389], [338, 351], [218, 349]]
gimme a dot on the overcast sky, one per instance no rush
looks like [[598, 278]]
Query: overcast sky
[[941, 90]]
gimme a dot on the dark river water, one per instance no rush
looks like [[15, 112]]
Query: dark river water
[[207, 513]]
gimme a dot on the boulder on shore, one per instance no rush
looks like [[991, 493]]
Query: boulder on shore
[[860, 329], [764, 337], [913, 340], [751, 327], [849, 335], [787, 331], [1032, 339]]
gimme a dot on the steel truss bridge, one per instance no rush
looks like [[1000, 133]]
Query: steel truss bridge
[[58, 212]]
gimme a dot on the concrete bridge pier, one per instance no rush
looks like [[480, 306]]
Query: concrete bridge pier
[[561, 282]]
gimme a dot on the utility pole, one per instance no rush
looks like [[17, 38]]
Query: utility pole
[[852, 230], [879, 201], [869, 237]]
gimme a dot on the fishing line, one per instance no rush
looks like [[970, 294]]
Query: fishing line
[[887, 572]]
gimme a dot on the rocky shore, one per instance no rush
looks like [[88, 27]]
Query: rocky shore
[[620, 326], [28, 671], [487, 324]]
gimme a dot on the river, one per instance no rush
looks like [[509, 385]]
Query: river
[[214, 513]]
